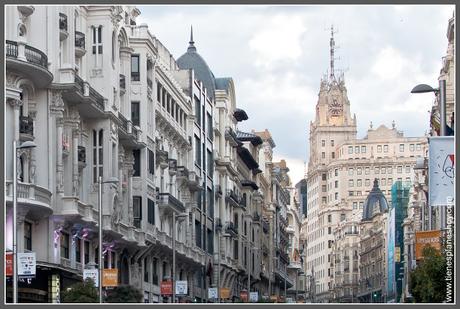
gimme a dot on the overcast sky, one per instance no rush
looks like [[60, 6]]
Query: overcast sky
[[277, 55]]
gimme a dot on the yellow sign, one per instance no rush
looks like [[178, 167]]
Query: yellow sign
[[397, 254], [110, 277], [426, 238], [224, 293]]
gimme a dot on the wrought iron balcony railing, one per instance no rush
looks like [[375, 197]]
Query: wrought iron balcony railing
[[79, 39], [62, 22], [81, 154], [26, 125]]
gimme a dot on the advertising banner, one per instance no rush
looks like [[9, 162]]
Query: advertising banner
[[441, 171], [224, 293], [212, 293], [92, 274], [181, 287], [9, 264], [425, 238], [27, 264], [110, 277], [166, 287]]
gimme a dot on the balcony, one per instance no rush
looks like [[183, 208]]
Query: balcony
[[129, 134], [172, 166], [230, 135], [243, 202], [80, 50], [218, 224], [28, 61], [256, 217], [231, 229], [26, 128], [122, 84], [34, 198], [232, 198], [283, 256], [168, 204], [63, 34]]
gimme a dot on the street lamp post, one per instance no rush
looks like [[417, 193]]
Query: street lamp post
[[112, 180], [25, 145], [173, 275]]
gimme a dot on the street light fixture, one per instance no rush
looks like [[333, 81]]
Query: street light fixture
[[173, 280], [112, 180], [25, 145]]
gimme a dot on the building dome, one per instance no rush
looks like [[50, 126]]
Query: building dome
[[192, 60], [375, 203]]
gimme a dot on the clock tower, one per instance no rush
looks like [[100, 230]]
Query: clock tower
[[333, 122]]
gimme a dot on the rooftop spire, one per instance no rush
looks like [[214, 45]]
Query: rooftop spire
[[332, 47], [191, 46]]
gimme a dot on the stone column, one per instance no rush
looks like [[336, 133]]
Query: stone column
[[59, 163], [129, 165]]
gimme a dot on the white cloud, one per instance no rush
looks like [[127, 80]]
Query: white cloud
[[278, 39], [389, 63]]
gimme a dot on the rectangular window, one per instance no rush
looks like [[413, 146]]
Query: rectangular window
[[383, 170], [324, 188], [151, 212], [329, 218], [389, 169], [97, 45], [97, 155], [379, 148], [355, 205], [332, 143], [367, 182], [137, 211], [385, 148], [399, 169], [367, 171], [323, 143], [336, 196], [336, 172], [333, 155], [198, 234], [359, 171], [363, 149], [146, 270], [359, 183], [329, 230], [342, 217], [336, 184], [197, 111], [137, 162], [197, 151], [151, 162], [390, 181], [27, 236], [210, 241], [350, 183], [135, 114], [135, 68], [155, 271], [324, 200], [401, 147], [78, 250], [350, 172], [350, 149], [323, 155], [419, 147], [210, 202], [210, 126], [411, 147], [64, 245], [376, 170], [407, 168], [86, 248], [356, 149], [324, 175], [383, 181], [210, 167]]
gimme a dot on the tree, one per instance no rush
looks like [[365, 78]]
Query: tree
[[428, 284], [82, 292], [124, 294]]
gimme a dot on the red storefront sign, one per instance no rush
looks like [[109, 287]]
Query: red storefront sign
[[9, 264], [244, 296], [166, 287]]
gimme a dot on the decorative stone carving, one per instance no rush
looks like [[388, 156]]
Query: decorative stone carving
[[57, 104], [15, 103]]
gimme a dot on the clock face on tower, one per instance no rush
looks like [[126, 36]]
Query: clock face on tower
[[335, 109]]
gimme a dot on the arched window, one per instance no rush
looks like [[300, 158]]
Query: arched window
[[114, 46]]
